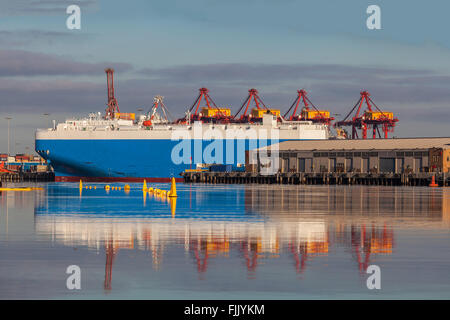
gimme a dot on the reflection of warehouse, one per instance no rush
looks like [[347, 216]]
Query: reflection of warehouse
[[405, 155]]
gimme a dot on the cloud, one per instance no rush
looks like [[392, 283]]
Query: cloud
[[331, 82], [24, 63], [275, 72], [21, 38]]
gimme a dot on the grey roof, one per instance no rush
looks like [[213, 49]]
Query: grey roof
[[369, 144]]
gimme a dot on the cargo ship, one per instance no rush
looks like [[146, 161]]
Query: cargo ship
[[126, 147]]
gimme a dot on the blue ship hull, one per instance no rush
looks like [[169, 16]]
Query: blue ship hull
[[127, 160]]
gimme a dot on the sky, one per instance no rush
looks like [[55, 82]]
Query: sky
[[174, 47]]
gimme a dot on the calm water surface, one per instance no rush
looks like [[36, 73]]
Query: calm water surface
[[226, 242]]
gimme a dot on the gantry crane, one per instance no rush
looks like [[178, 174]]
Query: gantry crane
[[153, 116], [369, 119], [210, 113], [113, 106], [256, 114], [306, 114]]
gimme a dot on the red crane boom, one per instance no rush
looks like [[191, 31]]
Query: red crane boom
[[252, 95], [113, 106], [318, 116], [369, 119], [219, 113]]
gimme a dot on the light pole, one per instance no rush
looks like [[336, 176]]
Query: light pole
[[9, 119]]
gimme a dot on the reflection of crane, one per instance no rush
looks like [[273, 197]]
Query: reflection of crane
[[305, 249], [299, 257], [210, 247], [113, 106], [110, 255], [251, 261], [202, 264], [364, 244]]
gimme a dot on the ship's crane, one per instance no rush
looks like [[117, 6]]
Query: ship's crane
[[113, 106], [210, 113], [153, 116], [307, 114], [369, 119], [256, 113]]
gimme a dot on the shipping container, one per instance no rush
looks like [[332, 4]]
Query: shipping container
[[221, 168], [214, 112], [314, 114], [125, 116], [258, 113], [375, 115]]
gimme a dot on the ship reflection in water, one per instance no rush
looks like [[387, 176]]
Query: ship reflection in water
[[248, 224]]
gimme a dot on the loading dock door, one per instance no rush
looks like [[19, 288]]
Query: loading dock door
[[387, 164], [301, 165], [308, 165], [417, 164], [365, 165], [348, 164], [285, 165], [332, 165]]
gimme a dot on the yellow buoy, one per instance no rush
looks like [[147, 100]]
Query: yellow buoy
[[164, 193], [120, 188], [95, 187], [90, 187], [150, 189], [107, 187], [173, 189], [126, 187]]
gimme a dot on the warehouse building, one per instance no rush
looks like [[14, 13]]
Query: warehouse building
[[399, 155]]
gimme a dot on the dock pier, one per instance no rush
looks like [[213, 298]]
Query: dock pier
[[48, 176], [389, 179]]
